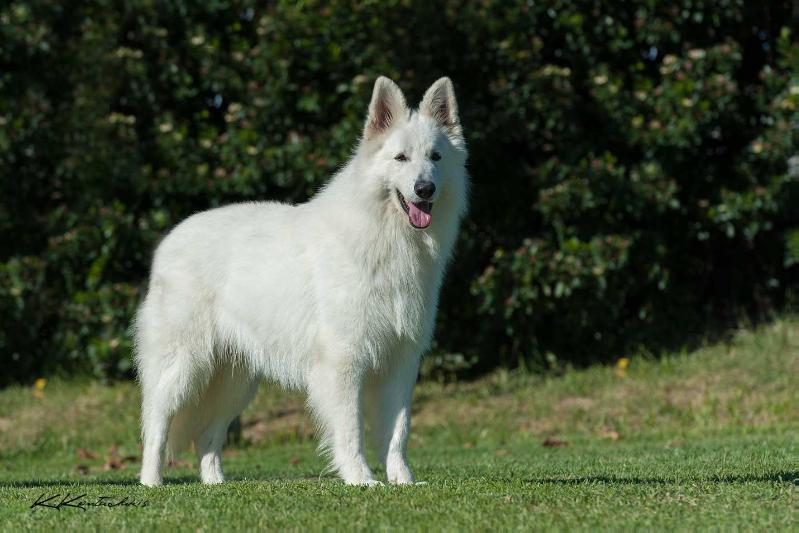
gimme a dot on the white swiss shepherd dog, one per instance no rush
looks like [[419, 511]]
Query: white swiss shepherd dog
[[336, 296]]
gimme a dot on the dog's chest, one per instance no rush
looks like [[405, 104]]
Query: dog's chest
[[396, 301], [381, 302]]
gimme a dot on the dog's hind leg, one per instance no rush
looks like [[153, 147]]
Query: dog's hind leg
[[229, 392], [166, 384]]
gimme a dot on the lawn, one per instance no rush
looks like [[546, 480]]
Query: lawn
[[707, 439]]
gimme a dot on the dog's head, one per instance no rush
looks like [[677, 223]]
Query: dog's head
[[419, 155]]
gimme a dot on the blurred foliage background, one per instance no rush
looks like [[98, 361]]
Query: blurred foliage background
[[635, 164]]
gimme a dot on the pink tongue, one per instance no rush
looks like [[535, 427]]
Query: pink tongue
[[419, 218]]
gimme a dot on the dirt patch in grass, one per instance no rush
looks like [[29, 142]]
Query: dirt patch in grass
[[576, 402], [289, 424]]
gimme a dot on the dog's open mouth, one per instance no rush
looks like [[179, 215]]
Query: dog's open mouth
[[418, 212]]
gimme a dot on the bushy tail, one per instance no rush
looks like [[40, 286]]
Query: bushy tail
[[186, 426], [226, 395]]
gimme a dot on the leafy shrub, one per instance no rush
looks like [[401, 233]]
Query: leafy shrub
[[630, 161]]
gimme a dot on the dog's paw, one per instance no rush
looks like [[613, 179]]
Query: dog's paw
[[212, 476], [151, 481], [399, 475], [364, 483], [409, 483]]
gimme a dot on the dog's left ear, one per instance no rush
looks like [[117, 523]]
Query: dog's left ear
[[439, 104]]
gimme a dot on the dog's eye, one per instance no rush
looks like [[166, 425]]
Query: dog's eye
[[435, 156], [400, 157]]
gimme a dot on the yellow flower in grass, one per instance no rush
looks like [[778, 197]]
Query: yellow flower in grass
[[38, 388], [621, 367]]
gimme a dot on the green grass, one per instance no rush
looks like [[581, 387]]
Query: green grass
[[708, 439]]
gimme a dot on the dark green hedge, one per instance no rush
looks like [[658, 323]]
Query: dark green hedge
[[632, 184]]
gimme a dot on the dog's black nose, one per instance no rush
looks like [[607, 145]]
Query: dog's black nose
[[424, 189]]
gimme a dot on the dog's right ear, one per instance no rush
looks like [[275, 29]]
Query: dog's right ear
[[387, 105]]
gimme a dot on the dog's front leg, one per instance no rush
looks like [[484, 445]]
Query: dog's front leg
[[389, 403], [334, 394]]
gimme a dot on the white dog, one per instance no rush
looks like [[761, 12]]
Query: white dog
[[336, 296]]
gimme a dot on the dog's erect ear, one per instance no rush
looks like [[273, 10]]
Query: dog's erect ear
[[439, 104], [387, 105]]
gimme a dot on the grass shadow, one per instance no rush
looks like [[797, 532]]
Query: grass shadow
[[26, 484], [168, 481], [791, 477]]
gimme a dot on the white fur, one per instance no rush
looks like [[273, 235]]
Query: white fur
[[336, 296]]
